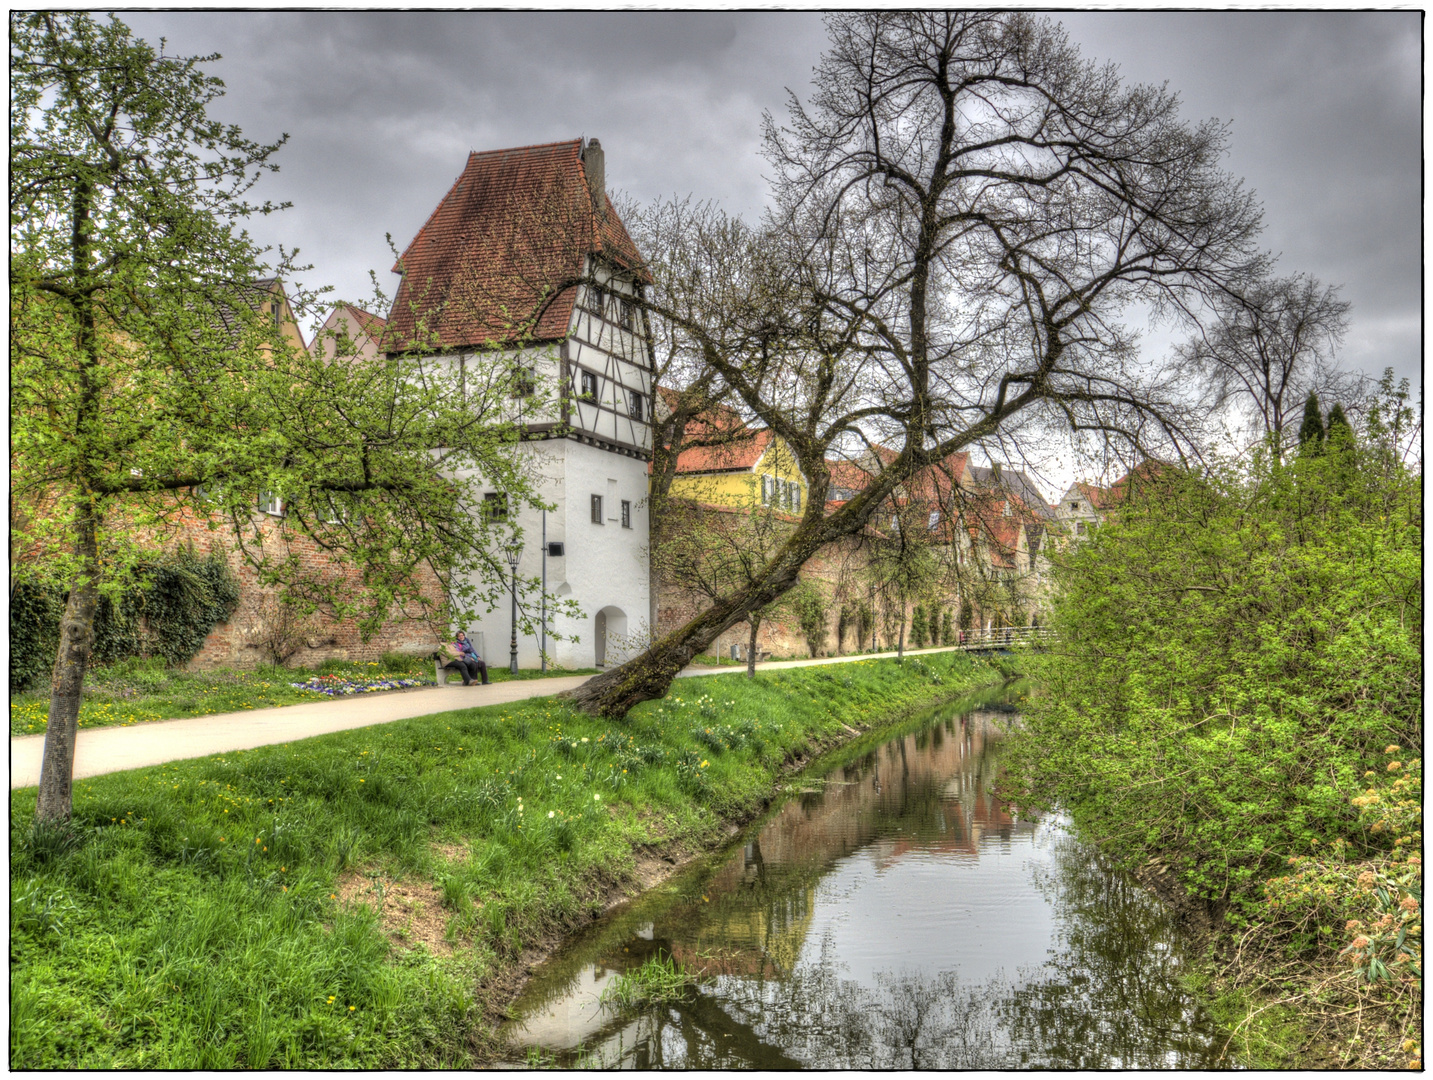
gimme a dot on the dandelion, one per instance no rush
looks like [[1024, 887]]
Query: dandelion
[[352, 1007]]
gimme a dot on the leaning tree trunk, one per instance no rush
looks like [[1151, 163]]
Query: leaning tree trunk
[[648, 676], [751, 648], [77, 635]]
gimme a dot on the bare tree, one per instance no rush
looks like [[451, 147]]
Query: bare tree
[[963, 211], [1270, 346]]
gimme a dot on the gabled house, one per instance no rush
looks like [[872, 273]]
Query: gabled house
[[496, 271], [739, 467], [350, 331]]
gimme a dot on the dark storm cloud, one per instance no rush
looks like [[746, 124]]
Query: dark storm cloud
[[383, 107]]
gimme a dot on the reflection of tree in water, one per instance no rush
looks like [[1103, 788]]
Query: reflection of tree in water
[[1109, 997]]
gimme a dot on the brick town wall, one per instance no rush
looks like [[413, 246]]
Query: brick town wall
[[239, 643]]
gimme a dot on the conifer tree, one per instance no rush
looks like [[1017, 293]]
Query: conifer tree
[[1311, 431]]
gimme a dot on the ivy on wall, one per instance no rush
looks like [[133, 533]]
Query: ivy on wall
[[182, 599]]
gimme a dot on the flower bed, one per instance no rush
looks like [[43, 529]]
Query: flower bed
[[342, 686]]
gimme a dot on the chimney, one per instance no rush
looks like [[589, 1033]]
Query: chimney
[[593, 164]]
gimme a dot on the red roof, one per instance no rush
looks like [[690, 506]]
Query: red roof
[[739, 453], [514, 226]]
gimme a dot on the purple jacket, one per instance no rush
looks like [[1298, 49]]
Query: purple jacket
[[465, 647]]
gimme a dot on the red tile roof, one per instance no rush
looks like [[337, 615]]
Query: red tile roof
[[513, 227], [740, 453]]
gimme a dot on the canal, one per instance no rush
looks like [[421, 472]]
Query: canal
[[887, 914]]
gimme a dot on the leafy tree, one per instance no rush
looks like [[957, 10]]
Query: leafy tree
[[961, 213], [947, 627], [153, 382]]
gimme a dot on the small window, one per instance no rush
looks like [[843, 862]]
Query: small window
[[597, 299], [277, 310], [635, 404], [597, 509], [895, 524], [625, 316], [328, 509], [934, 518], [626, 514], [1080, 527], [1074, 506], [589, 386], [270, 503], [524, 382], [796, 497], [495, 505], [765, 490]]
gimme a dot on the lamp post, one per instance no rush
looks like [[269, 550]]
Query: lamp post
[[514, 552]]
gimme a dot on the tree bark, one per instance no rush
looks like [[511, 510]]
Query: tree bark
[[77, 635], [751, 648], [646, 677]]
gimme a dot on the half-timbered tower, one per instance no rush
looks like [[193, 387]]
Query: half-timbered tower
[[492, 269]]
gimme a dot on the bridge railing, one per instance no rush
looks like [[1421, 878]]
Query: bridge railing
[[1003, 637]]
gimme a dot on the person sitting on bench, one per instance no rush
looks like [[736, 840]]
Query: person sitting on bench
[[463, 659], [470, 654]]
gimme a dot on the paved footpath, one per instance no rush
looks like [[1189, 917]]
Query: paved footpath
[[114, 749]]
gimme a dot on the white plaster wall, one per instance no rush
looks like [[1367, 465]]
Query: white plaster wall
[[605, 566]]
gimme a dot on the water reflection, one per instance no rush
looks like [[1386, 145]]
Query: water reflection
[[895, 918]]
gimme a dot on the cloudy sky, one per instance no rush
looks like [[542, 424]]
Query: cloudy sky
[[383, 107]]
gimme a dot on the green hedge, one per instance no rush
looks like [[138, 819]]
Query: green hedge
[[182, 599]]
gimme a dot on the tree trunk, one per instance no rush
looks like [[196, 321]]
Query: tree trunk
[[751, 648], [646, 677], [77, 635], [901, 633]]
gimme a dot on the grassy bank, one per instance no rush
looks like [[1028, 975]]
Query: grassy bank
[[365, 899], [140, 691]]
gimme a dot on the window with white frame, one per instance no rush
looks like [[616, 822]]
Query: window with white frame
[[270, 503], [934, 518]]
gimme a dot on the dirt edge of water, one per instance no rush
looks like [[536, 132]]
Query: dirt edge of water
[[658, 862]]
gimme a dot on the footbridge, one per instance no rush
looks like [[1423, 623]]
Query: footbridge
[[1006, 637]]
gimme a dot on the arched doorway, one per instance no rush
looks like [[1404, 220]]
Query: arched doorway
[[610, 628]]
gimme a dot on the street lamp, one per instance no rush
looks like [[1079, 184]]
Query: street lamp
[[514, 552]]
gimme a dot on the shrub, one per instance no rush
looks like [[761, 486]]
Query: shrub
[[1235, 647]]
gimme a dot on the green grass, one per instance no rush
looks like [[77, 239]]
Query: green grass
[[189, 917], [659, 979], [140, 691]]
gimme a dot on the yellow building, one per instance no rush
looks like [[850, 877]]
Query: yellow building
[[747, 471]]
